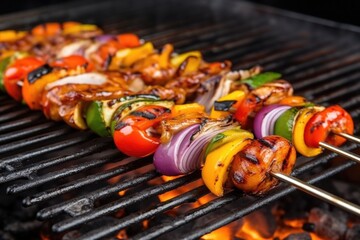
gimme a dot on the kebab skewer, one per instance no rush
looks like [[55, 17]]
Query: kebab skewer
[[254, 99]]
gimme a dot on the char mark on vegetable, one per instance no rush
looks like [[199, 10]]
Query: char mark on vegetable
[[39, 72], [147, 115]]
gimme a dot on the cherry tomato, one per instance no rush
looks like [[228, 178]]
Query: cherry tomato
[[128, 40], [47, 29], [16, 72], [70, 24], [108, 49], [72, 62], [52, 28], [133, 134], [246, 107], [322, 126]]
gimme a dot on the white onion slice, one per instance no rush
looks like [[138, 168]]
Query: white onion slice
[[85, 78], [73, 48]]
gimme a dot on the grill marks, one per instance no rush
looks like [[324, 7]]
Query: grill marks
[[268, 142], [250, 157], [251, 167], [39, 72]]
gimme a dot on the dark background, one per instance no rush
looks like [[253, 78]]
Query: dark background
[[346, 11]]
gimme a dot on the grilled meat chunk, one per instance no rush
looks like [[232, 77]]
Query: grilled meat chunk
[[251, 166]]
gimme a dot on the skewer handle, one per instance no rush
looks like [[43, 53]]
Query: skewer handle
[[341, 152], [319, 193]]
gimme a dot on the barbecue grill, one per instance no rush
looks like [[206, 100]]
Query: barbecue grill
[[64, 171]]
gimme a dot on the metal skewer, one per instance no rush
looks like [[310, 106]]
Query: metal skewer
[[341, 152], [349, 137], [319, 193]]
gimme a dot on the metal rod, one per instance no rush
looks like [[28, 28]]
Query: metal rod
[[349, 137], [341, 152], [319, 193]]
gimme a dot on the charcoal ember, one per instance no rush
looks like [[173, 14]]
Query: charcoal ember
[[298, 210], [353, 233], [328, 225], [348, 191], [298, 236], [263, 221], [309, 227]]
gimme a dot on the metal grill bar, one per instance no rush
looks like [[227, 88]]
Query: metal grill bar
[[334, 85], [207, 45], [16, 124], [116, 205], [37, 181], [280, 58], [249, 207], [281, 46], [152, 233], [101, 193], [141, 216], [332, 70], [26, 131], [33, 140], [196, 41], [315, 62], [340, 93], [84, 149], [74, 138], [51, 193], [229, 50], [14, 114], [7, 105]]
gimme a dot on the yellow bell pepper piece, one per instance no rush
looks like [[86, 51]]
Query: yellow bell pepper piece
[[301, 120], [187, 108], [79, 28], [79, 120], [216, 167], [191, 64], [11, 35], [178, 60], [164, 59], [128, 56], [238, 96]]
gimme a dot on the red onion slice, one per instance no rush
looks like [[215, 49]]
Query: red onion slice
[[259, 118], [275, 116], [167, 156], [191, 159], [268, 123], [105, 38]]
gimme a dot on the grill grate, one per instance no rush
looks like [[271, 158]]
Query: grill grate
[[49, 160]]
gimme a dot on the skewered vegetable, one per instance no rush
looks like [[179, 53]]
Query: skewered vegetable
[[183, 153], [323, 126], [305, 126], [220, 154], [144, 119]]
